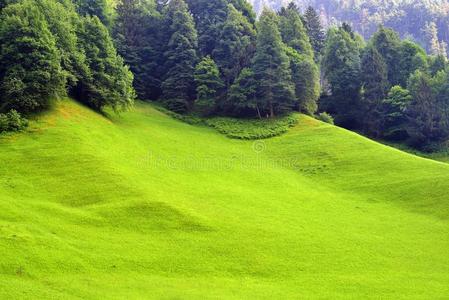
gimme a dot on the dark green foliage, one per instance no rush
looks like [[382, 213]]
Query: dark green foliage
[[138, 38], [242, 94], [181, 58], [97, 8], [271, 68], [326, 118], [208, 86], [109, 82], [341, 64], [437, 63], [394, 113], [424, 114], [245, 8], [209, 16], [315, 30], [293, 32], [30, 72], [306, 78], [412, 58], [375, 88], [64, 23], [12, 121], [235, 46], [388, 44]]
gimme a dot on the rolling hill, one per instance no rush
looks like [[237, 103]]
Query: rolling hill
[[144, 206]]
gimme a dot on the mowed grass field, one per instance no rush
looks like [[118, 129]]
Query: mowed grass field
[[141, 206]]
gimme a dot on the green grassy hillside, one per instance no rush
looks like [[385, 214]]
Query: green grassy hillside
[[144, 206]]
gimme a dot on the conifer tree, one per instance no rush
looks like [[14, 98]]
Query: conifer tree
[[412, 58], [315, 30], [208, 85], [375, 88], [235, 46], [394, 117], [109, 82], [137, 36], [181, 58], [341, 63], [271, 67], [293, 32], [209, 17], [387, 43], [306, 78], [30, 71], [242, 94]]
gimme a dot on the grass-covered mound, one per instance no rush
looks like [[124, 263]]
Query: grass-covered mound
[[144, 206]]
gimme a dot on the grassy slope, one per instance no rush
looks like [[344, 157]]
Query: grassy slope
[[143, 206]]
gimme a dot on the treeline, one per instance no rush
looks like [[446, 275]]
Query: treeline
[[388, 88], [48, 50], [212, 57]]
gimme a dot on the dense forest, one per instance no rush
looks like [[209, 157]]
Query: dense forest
[[426, 22], [214, 57]]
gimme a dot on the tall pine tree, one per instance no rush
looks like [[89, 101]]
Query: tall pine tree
[[181, 58], [315, 31], [235, 46], [271, 67], [375, 88]]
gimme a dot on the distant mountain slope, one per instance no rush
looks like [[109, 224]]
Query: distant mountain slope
[[142, 206], [422, 20]]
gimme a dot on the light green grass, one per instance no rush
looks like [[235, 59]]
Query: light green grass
[[143, 206]]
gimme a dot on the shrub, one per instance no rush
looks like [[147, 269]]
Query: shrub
[[325, 117], [12, 121]]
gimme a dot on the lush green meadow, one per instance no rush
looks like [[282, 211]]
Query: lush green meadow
[[144, 206]]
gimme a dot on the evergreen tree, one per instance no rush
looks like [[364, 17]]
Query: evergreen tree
[[109, 82], [437, 64], [235, 46], [208, 85], [375, 88], [394, 118], [245, 8], [97, 8], [209, 17], [181, 58], [314, 30], [138, 40], [412, 58], [30, 71], [64, 23], [242, 94], [306, 78], [341, 62], [271, 67], [387, 43], [293, 32], [423, 112]]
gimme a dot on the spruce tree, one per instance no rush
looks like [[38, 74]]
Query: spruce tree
[[209, 17], [387, 43], [375, 88], [306, 78], [208, 86], [181, 58], [293, 32], [315, 30], [242, 94], [423, 112], [271, 67], [412, 58], [235, 46], [30, 70], [137, 36], [109, 82], [341, 62]]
